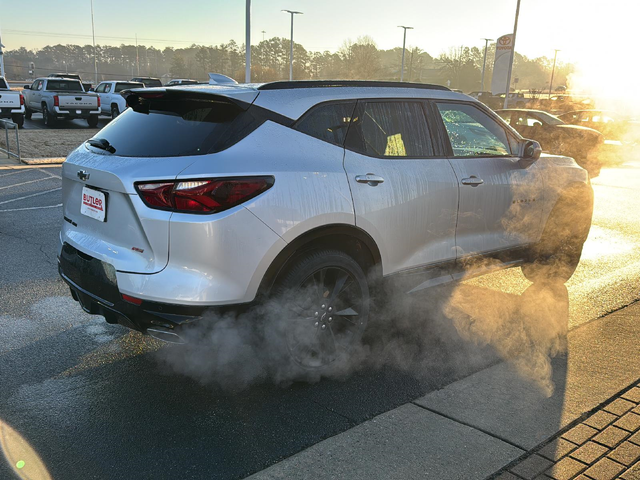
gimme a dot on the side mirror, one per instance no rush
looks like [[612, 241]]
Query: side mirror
[[530, 151], [27, 87]]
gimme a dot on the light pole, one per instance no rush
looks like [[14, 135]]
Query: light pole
[[247, 44], [1, 57], [137, 56], [263, 32], [513, 56], [404, 43], [553, 70], [292, 12], [95, 57], [484, 62]]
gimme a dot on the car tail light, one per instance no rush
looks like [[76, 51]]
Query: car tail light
[[56, 101], [98, 102], [132, 300], [21, 99], [202, 196]]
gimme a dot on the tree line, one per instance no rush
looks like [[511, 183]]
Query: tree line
[[459, 68]]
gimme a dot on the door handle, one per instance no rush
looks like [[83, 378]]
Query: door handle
[[472, 180], [370, 179]]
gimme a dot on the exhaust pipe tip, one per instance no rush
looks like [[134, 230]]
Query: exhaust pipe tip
[[165, 336]]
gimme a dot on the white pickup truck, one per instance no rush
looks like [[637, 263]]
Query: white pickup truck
[[11, 104], [61, 98], [111, 100]]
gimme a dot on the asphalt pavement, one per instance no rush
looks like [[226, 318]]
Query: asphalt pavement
[[93, 400]]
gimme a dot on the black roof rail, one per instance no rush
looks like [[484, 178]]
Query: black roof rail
[[286, 85]]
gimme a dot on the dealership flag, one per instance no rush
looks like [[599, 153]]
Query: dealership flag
[[504, 57]]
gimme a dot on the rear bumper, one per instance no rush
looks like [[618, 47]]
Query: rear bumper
[[93, 284], [70, 112]]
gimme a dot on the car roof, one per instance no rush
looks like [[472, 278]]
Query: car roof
[[292, 99]]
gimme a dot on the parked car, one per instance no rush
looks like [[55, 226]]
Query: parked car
[[602, 121], [489, 99], [557, 137], [516, 100], [148, 81], [181, 81], [86, 86], [311, 193], [11, 104], [111, 100], [61, 98]]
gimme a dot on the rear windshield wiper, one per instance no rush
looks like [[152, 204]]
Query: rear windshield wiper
[[102, 144]]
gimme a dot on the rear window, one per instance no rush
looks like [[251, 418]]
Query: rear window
[[66, 85], [3, 84], [127, 86], [177, 127]]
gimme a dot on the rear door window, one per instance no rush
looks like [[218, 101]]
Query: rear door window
[[473, 133], [327, 122], [391, 129], [177, 126]]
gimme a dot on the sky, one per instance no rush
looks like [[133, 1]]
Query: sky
[[569, 25], [590, 33]]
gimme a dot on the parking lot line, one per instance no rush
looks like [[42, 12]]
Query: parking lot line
[[50, 174], [30, 208], [24, 183], [29, 196]]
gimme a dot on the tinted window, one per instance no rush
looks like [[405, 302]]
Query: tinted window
[[3, 84], [68, 85], [178, 127], [327, 122], [391, 129], [472, 132], [127, 86]]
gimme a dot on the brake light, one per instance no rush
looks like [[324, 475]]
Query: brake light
[[21, 99], [98, 102], [202, 196], [56, 101]]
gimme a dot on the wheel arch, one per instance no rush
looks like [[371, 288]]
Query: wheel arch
[[347, 238]]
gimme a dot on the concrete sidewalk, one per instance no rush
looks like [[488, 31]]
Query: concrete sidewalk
[[490, 422]]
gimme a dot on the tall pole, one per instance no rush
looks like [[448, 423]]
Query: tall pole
[[484, 62], [137, 56], [247, 44], [1, 55], [95, 56], [263, 32], [513, 56], [404, 43], [292, 13], [553, 70]]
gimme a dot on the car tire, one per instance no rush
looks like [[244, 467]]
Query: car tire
[[28, 113], [557, 254], [92, 121], [48, 117], [115, 111], [18, 119], [323, 305]]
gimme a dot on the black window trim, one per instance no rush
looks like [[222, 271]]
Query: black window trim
[[483, 108], [423, 101]]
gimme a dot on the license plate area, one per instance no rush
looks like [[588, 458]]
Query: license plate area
[[94, 204]]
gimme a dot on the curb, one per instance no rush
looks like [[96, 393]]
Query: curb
[[42, 161]]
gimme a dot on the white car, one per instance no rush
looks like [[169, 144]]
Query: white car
[[111, 100], [11, 104], [312, 193]]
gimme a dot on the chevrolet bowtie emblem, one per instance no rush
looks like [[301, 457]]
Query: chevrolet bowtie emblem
[[83, 175]]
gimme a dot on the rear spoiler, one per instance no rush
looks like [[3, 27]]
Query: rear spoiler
[[133, 96]]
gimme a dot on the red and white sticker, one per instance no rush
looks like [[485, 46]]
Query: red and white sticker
[[94, 204]]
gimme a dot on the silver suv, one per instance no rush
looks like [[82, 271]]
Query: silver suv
[[205, 197]]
